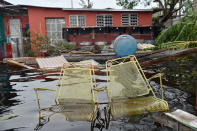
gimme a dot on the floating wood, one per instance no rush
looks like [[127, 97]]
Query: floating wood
[[51, 62], [184, 118], [167, 121], [101, 58], [21, 59], [14, 63]]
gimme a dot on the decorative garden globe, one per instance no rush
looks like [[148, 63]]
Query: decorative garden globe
[[125, 45]]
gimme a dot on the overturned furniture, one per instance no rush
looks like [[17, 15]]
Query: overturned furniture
[[130, 90]]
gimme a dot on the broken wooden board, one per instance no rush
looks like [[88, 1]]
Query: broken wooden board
[[184, 118], [51, 62], [21, 59], [15, 63], [101, 58]]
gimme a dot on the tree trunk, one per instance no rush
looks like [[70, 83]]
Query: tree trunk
[[195, 5]]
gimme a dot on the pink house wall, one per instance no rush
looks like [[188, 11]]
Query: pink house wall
[[23, 19], [37, 17]]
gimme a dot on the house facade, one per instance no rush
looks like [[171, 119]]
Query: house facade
[[90, 25], [73, 25]]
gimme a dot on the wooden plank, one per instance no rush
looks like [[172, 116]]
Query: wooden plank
[[12, 62], [184, 118], [20, 59], [170, 122], [51, 62]]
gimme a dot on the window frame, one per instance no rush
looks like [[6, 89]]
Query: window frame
[[51, 31], [104, 22], [129, 19], [77, 20]]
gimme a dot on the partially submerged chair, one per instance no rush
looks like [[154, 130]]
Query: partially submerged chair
[[77, 83], [130, 90], [75, 94]]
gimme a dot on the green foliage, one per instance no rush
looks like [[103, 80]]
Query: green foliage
[[30, 53], [183, 31], [127, 4], [43, 44], [167, 7], [175, 45], [64, 46]]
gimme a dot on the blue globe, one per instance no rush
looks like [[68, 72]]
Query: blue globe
[[125, 45]]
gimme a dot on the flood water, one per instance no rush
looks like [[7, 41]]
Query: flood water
[[19, 107], [180, 73]]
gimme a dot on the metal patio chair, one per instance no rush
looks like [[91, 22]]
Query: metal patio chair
[[129, 90], [77, 83], [74, 96]]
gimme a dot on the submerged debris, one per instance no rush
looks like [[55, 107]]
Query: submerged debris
[[51, 62]]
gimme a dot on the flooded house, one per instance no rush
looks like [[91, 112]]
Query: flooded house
[[80, 26]]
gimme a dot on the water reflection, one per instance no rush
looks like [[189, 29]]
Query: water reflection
[[6, 91], [4, 76], [98, 115], [137, 106], [75, 112]]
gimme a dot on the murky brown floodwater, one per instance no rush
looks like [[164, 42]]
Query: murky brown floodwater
[[19, 108]]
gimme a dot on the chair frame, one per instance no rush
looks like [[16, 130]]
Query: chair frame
[[124, 60], [76, 67]]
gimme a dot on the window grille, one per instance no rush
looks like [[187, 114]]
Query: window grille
[[104, 20], [54, 28], [77, 20], [129, 19]]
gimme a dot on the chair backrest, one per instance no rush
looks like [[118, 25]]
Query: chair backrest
[[126, 78], [76, 84]]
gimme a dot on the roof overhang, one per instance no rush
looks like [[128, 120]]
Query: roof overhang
[[108, 10], [12, 9]]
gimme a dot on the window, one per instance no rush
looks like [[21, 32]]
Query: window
[[130, 19], [77, 20], [54, 27], [104, 20]]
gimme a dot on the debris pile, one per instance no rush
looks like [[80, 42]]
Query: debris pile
[[142, 46]]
